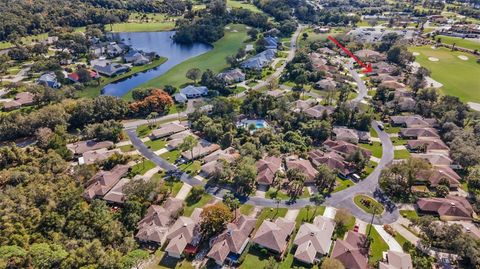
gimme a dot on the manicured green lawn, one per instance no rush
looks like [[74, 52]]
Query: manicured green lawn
[[162, 261], [155, 145], [201, 203], [270, 213], [459, 42], [409, 214], [340, 233], [171, 156], [377, 246], [213, 60], [312, 213], [459, 77], [397, 141], [342, 184], [142, 167], [401, 154], [191, 168], [400, 239], [254, 259], [242, 4], [143, 130], [126, 148], [369, 168], [358, 199], [143, 26], [246, 209], [391, 130], [375, 148], [92, 91], [373, 133]]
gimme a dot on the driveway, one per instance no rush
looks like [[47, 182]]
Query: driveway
[[391, 242]]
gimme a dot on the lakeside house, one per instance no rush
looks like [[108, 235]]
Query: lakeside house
[[49, 80], [74, 77], [109, 68], [313, 241], [232, 76], [259, 61], [275, 235], [137, 58], [190, 92]]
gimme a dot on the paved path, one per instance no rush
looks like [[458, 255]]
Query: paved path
[[405, 233], [362, 89], [330, 212], [182, 194], [292, 214], [391, 242], [362, 226]]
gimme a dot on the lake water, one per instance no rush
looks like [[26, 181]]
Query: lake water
[[161, 43]]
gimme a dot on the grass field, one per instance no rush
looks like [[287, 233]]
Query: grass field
[[460, 42], [246, 209], [459, 77], [213, 60], [33, 38], [155, 145], [401, 154], [373, 203], [199, 204], [375, 148], [270, 213], [377, 247], [342, 184], [241, 4], [142, 168]]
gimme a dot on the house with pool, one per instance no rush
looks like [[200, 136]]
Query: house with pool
[[252, 124]]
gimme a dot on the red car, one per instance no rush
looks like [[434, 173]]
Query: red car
[[355, 229]]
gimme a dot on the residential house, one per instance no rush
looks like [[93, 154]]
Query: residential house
[[275, 93], [214, 161], [194, 91], [350, 135], [427, 146], [448, 209], [180, 98], [21, 99], [80, 147], [302, 105], [203, 148], [184, 235], [167, 130], [108, 68], [352, 252], [396, 260], [392, 84], [153, 228], [177, 139], [229, 245], [136, 58], [418, 133], [275, 235], [402, 104], [305, 166], [332, 160], [232, 76], [95, 156], [50, 80], [76, 78], [267, 168], [384, 68], [440, 175], [344, 148], [103, 181], [271, 42], [327, 51], [259, 61], [313, 241], [116, 195], [411, 121], [435, 159], [326, 84], [114, 49], [319, 111], [370, 55]]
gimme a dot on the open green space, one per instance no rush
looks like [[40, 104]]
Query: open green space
[[155, 145], [142, 167], [459, 77], [242, 4], [32, 39], [459, 42], [377, 246], [367, 204], [375, 148], [143, 26], [342, 184], [199, 204], [191, 168], [409, 214], [401, 154], [126, 148], [400, 239], [171, 156], [162, 261], [214, 59], [246, 209], [270, 213], [308, 214], [94, 90]]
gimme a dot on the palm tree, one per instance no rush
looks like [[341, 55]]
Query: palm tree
[[189, 143]]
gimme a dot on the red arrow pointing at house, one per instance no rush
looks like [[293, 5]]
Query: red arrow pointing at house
[[367, 67]]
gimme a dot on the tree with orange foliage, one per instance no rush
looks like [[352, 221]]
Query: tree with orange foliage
[[214, 219], [158, 101]]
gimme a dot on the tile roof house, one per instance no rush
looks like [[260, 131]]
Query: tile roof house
[[293, 162], [332, 160], [326, 84], [396, 260], [439, 175], [351, 252], [427, 146], [103, 181], [116, 195], [21, 99], [449, 208], [168, 129], [203, 148], [435, 159], [230, 244], [183, 233], [412, 121], [260, 60], [80, 147], [214, 161], [392, 84], [350, 135], [50, 80], [370, 55], [194, 91], [267, 169], [94, 156], [232, 76], [114, 49], [319, 111], [302, 105], [402, 104], [327, 51], [314, 240], [154, 226], [176, 139], [418, 133], [76, 78], [274, 235], [384, 68], [344, 148]]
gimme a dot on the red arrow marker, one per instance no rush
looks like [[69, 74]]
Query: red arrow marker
[[367, 67]]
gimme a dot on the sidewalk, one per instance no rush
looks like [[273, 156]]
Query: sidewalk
[[183, 193], [391, 242], [292, 214], [330, 212]]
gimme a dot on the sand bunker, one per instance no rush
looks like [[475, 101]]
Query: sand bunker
[[433, 47], [234, 31], [416, 54], [227, 27], [463, 57], [433, 59], [474, 106]]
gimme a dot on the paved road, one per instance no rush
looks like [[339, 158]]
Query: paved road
[[362, 89]]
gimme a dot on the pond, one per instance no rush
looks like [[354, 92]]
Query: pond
[[159, 42]]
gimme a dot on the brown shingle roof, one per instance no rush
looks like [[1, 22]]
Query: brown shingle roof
[[412, 121], [168, 129], [419, 132], [318, 111], [201, 149], [439, 174], [103, 181], [451, 206], [183, 232], [351, 251], [91, 157], [273, 235], [331, 159], [345, 148], [427, 144], [435, 159]]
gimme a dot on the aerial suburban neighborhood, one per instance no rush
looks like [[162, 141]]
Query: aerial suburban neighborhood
[[152, 134]]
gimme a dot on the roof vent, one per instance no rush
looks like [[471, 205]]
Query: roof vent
[[452, 204], [312, 233], [184, 225]]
